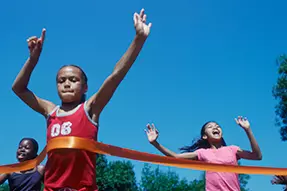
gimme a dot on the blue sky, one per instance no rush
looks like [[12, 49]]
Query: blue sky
[[204, 60]]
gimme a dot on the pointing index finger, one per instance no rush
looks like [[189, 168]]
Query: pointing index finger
[[43, 35]]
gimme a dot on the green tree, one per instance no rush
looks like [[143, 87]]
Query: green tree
[[4, 187], [280, 94], [121, 176], [243, 179], [101, 172], [157, 180], [115, 176]]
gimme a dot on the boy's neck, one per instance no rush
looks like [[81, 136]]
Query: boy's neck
[[69, 106]]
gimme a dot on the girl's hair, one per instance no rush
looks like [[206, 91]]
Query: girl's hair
[[35, 145], [200, 143], [84, 78]]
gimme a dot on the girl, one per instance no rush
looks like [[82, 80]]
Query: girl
[[27, 180], [71, 169], [212, 148]]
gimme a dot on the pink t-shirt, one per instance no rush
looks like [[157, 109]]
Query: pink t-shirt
[[220, 181]]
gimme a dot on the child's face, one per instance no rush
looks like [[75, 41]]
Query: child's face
[[213, 132], [25, 151], [70, 84]]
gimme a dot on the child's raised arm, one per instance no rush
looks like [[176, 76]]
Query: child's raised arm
[[255, 154], [99, 100], [21, 82], [152, 135]]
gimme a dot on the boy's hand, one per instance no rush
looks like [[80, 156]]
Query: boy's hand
[[35, 45]]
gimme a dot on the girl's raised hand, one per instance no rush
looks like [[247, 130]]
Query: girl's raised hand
[[242, 122], [152, 133], [141, 27], [35, 45]]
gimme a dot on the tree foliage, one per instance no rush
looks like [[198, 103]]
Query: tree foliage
[[279, 92], [157, 180], [4, 187], [115, 175]]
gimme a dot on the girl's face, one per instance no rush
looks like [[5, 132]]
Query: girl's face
[[70, 84], [212, 133], [25, 151]]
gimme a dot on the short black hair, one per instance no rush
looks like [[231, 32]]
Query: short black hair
[[34, 142]]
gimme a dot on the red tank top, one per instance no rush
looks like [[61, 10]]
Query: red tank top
[[71, 168]]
